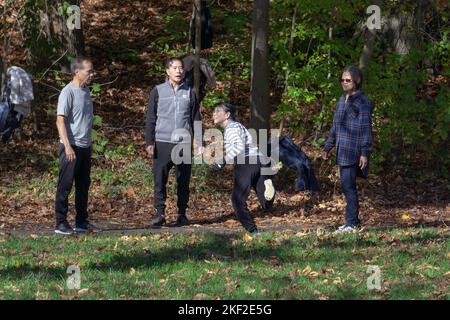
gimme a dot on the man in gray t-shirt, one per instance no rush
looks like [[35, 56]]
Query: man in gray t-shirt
[[74, 123], [75, 104]]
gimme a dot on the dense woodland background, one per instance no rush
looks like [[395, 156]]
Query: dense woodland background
[[406, 67]]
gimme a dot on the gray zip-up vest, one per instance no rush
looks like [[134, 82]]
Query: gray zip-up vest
[[173, 113]]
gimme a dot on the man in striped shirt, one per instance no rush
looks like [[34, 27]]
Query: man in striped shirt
[[246, 157]]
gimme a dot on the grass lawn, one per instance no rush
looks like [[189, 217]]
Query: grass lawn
[[414, 264]]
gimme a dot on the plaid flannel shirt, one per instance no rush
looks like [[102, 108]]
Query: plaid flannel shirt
[[351, 131]]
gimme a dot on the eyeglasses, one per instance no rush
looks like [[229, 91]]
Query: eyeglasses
[[346, 80]]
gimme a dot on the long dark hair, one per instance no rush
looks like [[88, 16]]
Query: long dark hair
[[356, 75]]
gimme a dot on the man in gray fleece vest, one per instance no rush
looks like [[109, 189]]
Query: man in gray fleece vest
[[172, 110]]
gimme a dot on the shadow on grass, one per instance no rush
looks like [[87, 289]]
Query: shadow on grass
[[220, 247], [214, 246]]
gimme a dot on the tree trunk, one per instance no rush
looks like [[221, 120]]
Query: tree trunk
[[370, 40], [2, 77], [368, 49], [51, 37], [5, 44], [74, 39], [198, 46], [260, 104], [291, 45]]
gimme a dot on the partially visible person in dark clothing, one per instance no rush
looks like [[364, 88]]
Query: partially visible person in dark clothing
[[207, 27], [207, 75], [351, 134]]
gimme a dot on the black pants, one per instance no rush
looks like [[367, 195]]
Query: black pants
[[69, 171], [348, 183], [162, 163], [247, 177]]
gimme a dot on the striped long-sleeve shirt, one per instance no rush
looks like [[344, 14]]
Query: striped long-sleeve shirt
[[238, 142]]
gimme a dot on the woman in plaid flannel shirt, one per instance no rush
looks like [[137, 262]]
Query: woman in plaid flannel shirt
[[351, 134]]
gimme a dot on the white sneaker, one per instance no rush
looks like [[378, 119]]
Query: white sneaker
[[346, 228], [269, 190]]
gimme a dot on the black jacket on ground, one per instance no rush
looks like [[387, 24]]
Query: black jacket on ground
[[293, 156]]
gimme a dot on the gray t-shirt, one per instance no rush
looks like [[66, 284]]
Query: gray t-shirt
[[75, 104]]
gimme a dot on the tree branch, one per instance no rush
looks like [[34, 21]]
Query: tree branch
[[53, 64]]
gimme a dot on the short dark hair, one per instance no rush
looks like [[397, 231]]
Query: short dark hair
[[77, 64], [228, 107], [355, 74], [171, 60]]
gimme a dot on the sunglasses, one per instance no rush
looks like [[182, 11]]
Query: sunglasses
[[346, 80]]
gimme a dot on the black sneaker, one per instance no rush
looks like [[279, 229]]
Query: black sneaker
[[86, 227], [182, 220], [64, 228], [157, 221]]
